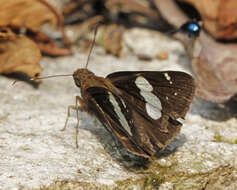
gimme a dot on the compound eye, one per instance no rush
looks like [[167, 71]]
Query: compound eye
[[78, 83]]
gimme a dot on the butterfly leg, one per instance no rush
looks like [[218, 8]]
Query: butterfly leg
[[69, 108], [79, 106]]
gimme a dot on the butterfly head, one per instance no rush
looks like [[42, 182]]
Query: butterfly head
[[81, 75]]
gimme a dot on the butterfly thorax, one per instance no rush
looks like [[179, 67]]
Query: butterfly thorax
[[85, 79]]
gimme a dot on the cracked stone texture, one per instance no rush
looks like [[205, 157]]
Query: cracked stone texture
[[35, 153]]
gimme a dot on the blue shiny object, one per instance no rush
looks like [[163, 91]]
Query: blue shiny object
[[191, 28]]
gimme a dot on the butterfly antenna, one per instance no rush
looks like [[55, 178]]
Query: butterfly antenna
[[51, 76], [93, 43], [39, 78]]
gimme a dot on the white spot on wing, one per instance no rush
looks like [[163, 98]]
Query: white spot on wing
[[180, 120], [143, 84], [123, 103], [120, 114], [167, 76], [153, 104]]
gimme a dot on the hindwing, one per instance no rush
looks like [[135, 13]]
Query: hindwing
[[144, 115]]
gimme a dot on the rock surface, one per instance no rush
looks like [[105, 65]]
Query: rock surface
[[35, 153]]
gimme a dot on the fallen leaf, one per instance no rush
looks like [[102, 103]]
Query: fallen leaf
[[110, 37], [48, 46], [227, 12], [19, 54], [132, 6], [73, 6], [77, 31], [6, 33], [219, 17], [29, 14], [228, 19], [32, 15], [215, 70]]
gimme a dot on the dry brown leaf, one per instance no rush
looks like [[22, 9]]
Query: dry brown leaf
[[6, 34], [75, 32], [228, 12], [110, 37], [141, 7], [73, 6], [29, 14], [48, 46], [228, 18], [219, 17], [19, 54], [215, 70]]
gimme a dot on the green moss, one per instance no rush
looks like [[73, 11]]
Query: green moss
[[151, 178], [157, 175], [219, 138], [72, 185], [147, 182]]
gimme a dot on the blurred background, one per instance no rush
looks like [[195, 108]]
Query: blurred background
[[53, 28]]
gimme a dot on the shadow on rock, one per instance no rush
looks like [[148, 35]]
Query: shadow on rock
[[126, 159], [213, 111], [22, 77]]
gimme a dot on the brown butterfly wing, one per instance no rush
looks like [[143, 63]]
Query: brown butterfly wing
[[100, 105], [146, 132], [175, 91], [175, 94]]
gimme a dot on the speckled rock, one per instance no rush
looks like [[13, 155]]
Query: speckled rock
[[148, 44]]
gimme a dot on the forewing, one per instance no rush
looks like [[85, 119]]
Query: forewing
[[175, 90]]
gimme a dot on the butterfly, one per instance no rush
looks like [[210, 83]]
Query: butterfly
[[141, 108]]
